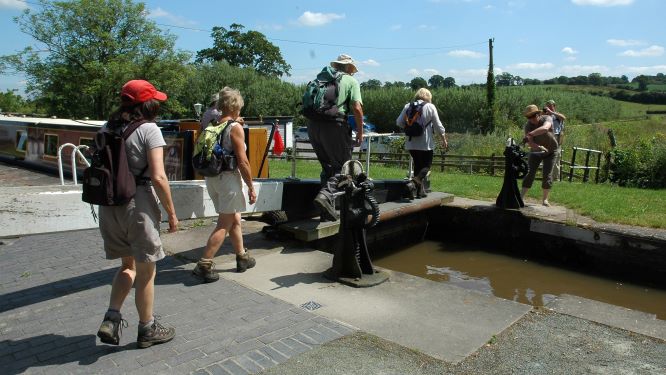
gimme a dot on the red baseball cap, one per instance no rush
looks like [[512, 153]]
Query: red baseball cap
[[140, 91]]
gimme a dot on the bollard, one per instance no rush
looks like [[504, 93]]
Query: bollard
[[351, 260], [515, 167]]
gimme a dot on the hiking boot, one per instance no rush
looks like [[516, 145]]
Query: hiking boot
[[245, 261], [111, 328], [153, 335], [326, 208], [411, 190], [205, 270]]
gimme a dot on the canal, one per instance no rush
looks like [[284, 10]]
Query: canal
[[518, 279]]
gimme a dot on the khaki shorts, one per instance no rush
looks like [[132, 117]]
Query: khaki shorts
[[133, 229], [226, 192]]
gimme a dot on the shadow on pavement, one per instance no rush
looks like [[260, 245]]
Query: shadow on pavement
[[38, 351], [288, 281], [56, 289]]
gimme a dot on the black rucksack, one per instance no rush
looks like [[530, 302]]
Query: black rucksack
[[209, 157], [321, 97], [414, 121], [109, 181]]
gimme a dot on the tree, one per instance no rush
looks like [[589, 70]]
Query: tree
[[10, 102], [449, 82], [371, 84], [245, 49], [436, 81], [642, 82], [398, 84], [417, 83], [504, 79], [595, 79], [91, 48]]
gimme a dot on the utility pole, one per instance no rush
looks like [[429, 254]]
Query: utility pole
[[489, 121]]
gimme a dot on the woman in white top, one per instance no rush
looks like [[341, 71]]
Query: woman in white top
[[421, 147], [226, 191]]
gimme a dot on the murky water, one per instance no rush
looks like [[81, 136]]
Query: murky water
[[520, 280]]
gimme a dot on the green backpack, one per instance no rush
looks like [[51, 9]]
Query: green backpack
[[210, 158], [321, 97]]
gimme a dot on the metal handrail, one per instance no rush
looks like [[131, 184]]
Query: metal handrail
[[76, 151]]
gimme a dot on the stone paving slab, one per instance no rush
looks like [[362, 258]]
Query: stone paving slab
[[55, 288]]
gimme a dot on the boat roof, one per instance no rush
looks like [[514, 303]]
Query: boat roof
[[26, 121]]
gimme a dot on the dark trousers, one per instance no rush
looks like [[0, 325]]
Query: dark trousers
[[533, 161], [332, 144], [422, 159]]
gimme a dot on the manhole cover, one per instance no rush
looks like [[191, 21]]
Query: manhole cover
[[311, 305]]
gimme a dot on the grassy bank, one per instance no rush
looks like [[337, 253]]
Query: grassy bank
[[602, 202]]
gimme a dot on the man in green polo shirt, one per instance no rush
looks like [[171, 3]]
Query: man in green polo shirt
[[331, 139]]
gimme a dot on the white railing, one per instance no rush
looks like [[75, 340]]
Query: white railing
[[76, 150]]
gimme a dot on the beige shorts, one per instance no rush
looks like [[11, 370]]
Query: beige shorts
[[133, 229], [226, 192]]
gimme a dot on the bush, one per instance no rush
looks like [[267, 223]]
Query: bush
[[643, 166]]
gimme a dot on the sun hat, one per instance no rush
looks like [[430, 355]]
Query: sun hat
[[550, 102], [139, 91], [530, 110], [344, 60]]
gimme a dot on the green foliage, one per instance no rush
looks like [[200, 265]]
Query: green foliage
[[643, 166], [248, 49], [92, 48], [417, 83], [10, 102], [263, 96], [436, 81]]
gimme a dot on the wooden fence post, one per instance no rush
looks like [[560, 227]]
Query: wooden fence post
[[573, 163]]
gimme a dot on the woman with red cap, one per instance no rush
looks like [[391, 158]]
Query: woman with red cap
[[131, 231]]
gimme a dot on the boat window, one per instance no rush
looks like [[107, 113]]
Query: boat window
[[87, 153], [51, 145], [21, 140]]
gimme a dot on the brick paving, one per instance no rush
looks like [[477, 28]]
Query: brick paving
[[54, 290]]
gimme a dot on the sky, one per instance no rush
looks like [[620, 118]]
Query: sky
[[399, 40]]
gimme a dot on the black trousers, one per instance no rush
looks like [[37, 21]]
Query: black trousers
[[332, 144], [422, 159]]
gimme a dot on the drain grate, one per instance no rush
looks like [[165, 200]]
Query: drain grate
[[311, 305]]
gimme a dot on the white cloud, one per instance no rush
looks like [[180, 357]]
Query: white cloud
[[465, 53], [651, 51], [12, 4], [644, 69], [603, 3], [176, 20], [569, 51], [625, 42], [576, 70], [413, 72], [318, 19], [530, 66], [396, 27], [425, 27], [369, 62], [430, 72], [489, 7]]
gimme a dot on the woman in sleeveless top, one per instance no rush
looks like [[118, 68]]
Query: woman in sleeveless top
[[226, 192]]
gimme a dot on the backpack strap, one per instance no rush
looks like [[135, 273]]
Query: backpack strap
[[128, 131]]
